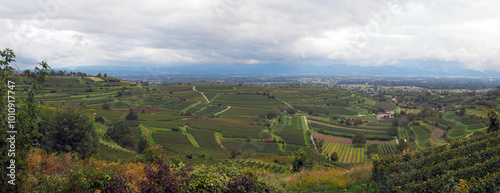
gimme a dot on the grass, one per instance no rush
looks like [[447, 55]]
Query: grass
[[106, 152]]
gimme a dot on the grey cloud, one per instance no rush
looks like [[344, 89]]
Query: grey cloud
[[80, 32]]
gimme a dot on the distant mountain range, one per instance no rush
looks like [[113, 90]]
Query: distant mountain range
[[280, 70]]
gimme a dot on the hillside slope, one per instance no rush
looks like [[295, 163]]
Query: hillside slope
[[471, 165]]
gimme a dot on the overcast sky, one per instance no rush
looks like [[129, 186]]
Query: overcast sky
[[454, 33]]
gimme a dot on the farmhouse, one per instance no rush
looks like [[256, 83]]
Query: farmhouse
[[385, 116]]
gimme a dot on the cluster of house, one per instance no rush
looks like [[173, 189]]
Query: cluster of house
[[388, 115]]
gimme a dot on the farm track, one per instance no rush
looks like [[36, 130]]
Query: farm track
[[312, 139], [194, 88], [228, 107]]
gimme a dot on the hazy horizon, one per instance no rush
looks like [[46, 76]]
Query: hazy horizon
[[402, 34]]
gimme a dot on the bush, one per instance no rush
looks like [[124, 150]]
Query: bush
[[359, 139], [142, 145], [127, 141], [106, 106], [99, 119], [68, 129], [131, 115], [334, 157], [300, 160]]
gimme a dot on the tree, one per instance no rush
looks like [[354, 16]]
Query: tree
[[310, 110], [68, 129], [292, 111], [118, 130], [402, 146], [99, 75], [300, 160], [106, 106], [334, 156], [27, 129], [127, 141], [142, 145], [121, 134], [234, 153], [271, 114], [358, 121], [392, 131], [395, 122], [461, 111], [131, 115], [359, 139], [371, 149], [493, 121], [105, 75], [99, 119]]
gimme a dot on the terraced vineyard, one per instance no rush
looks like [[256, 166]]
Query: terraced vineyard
[[291, 136], [347, 152], [174, 142], [136, 132], [210, 110], [388, 149], [342, 131], [475, 161], [271, 167], [205, 138], [252, 147]]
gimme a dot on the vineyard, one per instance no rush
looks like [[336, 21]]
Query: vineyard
[[252, 147], [205, 138], [388, 149], [347, 152], [464, 165], [136, 132], [174, 142], [291, 136], [271, 167]]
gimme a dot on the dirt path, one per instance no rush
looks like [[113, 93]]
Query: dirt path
[[312, 139], [201, 94], [344, 140], [220, 143], [228, 107]]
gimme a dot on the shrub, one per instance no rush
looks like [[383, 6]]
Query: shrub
[[131, 115], [165, 178], [99, 119], [334, 156], [359, 139], [68, 129], [300, 160], [106, 106], [142, 145]]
